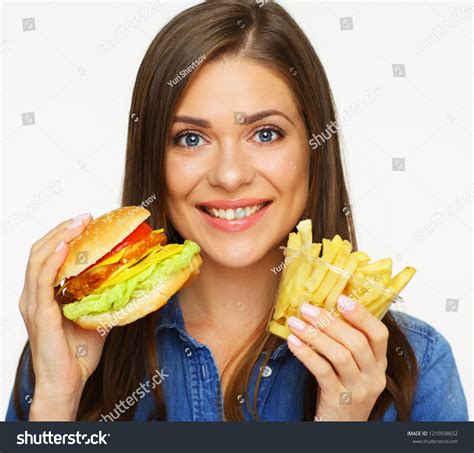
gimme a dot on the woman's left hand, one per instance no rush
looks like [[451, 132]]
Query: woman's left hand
[[348, 359]]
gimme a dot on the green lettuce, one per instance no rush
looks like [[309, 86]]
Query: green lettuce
[[149, 279]]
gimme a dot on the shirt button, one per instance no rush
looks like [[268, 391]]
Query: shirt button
[[188, 352], [267, 371]]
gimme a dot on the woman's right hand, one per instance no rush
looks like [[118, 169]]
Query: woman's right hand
[[63, 354]]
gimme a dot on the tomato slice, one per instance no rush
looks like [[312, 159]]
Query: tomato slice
[[138, 233]]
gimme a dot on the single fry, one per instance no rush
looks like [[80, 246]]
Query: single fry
[[378, 267], [319, 271], [332, 277], [394, 287], [350, 267]]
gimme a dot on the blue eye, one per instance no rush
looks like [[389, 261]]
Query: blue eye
[[268, 134], [191, 139]]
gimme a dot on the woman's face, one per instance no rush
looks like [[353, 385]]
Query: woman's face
[[237, 162]]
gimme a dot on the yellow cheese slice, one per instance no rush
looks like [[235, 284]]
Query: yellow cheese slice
[[111, 259], [127, 270]]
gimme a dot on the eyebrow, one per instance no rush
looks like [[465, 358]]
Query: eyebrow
[[249, 119]]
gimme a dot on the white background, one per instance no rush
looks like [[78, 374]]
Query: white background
[[80, 96]]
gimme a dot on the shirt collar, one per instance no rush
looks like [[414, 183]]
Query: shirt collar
[[279, 351], [171, 317]]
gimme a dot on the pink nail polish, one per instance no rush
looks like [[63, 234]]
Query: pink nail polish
[[345, 303], [73, 225], [294, 340], [310, 310], [59, 247], [296, 323], [82, 217]]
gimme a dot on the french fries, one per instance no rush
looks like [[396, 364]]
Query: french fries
[[320, 273]]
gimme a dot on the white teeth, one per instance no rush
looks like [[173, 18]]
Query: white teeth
[[231, 214], [239, 213]]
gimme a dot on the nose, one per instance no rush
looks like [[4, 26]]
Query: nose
[[232, 167]]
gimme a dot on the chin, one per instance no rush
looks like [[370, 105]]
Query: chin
[[235, 254]]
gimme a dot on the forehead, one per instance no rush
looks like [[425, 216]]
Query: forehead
[[236, 85]]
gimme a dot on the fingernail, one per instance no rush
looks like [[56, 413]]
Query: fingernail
[[310, 310], [81, 217], [345, 303], [59, 247], [73, 225], [296, 323], [294, 340]]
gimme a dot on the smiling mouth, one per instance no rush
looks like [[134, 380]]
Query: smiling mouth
[[242, 212]]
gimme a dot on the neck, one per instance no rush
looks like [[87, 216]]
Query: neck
[[231, 300]]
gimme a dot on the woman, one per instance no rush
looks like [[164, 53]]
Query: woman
[[219, 130]]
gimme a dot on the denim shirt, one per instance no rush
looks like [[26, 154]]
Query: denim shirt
[[191, 387]]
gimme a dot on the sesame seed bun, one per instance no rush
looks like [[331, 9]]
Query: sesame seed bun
[[99, 238]]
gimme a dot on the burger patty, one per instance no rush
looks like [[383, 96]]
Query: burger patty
[[75, 288]]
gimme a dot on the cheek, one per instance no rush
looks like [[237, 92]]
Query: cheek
[[181, 176], [288, 172], [293, 186]]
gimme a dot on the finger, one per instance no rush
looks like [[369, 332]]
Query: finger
[[84, 218], [45, 290], [24, 305], [39, 257], [339, 356], [374, 329], [342, 332], [315, 363]]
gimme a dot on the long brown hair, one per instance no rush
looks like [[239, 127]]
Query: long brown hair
[[265, 33]]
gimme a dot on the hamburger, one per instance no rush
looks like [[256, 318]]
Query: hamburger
[[120, 269]]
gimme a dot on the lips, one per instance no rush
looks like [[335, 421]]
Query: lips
[[234, 215]]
